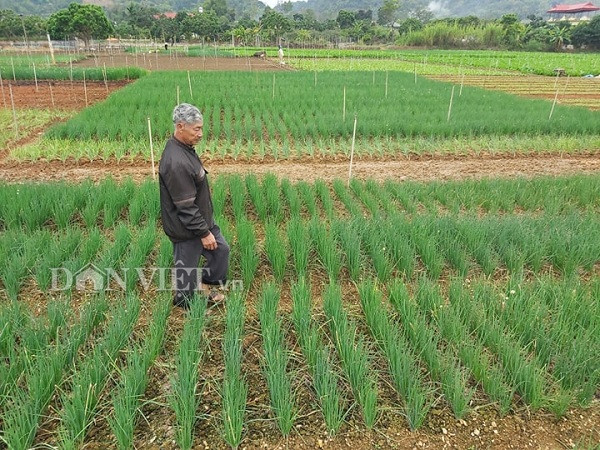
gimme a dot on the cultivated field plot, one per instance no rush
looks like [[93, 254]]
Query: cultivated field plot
[[574, 64], [58, 95], [38, 67], [379, 65], [568, 91], [466, 311], [174, 61], [298, 114]]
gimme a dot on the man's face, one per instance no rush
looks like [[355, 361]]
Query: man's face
[[189, 133]]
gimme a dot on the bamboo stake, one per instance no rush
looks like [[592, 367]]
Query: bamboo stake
[[386, 83], [462, 83], [2, 86], [151, 149], [14, 112], [35, 77], [12, 64], [553, 105], [556, 79], [104, 76], [51, 93], [190, 84], [51, 48], [344, 110], [352, 150], [85, 89], [451, 100], [71, 72]]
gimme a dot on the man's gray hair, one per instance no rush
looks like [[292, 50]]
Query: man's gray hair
[[186, 113]]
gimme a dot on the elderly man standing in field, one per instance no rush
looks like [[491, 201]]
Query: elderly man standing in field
[[187, 212]]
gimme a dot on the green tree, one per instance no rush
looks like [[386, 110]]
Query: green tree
[[387, 14], [559, 36], [85, 22], [219, 7], [410, 25], [275, 24], [206, 25], [346, 19], [587, 34], [140, 16], [9, 22], [514, 30]]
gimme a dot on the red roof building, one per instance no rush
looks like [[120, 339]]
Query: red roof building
[[579, 12], [573, 9], [168, 15]]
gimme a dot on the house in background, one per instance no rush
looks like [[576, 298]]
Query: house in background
[[579, 12]]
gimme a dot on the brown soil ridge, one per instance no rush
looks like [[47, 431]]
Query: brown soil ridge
[[399, 169]]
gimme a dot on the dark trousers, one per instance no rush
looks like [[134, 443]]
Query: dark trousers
[[187, 255]]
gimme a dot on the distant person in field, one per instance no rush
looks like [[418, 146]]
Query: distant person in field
[[280, 53], [187, 213]]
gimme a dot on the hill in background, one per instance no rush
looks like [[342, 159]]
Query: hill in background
[[323, 9]]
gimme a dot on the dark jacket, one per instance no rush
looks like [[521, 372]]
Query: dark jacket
[[185, 204]]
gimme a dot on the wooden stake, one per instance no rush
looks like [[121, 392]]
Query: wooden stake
[[344, 110], [352, 150], [14, 112], [35, 77], [190, 84], [2, 86], [85, 89], [12, 64], [104, 76], [51, 48], [553, 104], [51, 93], [451, 100], [151, 149], [386, 83]]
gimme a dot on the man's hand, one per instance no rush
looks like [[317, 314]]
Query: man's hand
[[209, 242]]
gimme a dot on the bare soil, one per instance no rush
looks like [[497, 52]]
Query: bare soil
[[59, 94], [156, 61], [423, 168]]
